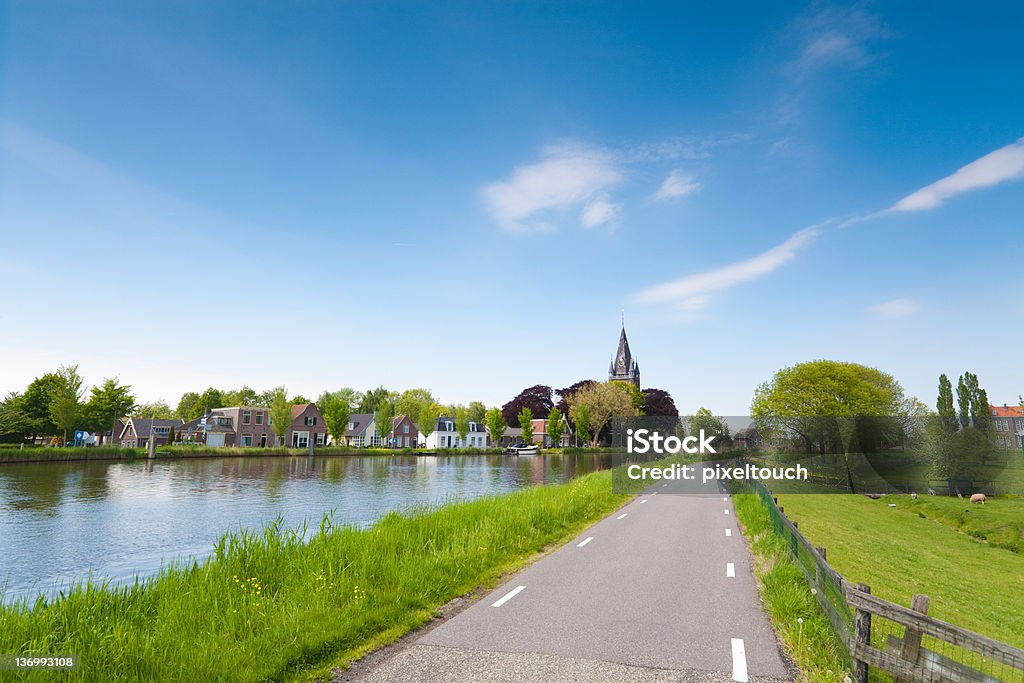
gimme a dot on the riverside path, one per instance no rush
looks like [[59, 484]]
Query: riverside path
[[661, 590]]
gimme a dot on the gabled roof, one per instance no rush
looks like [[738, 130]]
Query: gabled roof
[[299, 409], [144, 426], [1007, 411], [360, 421]]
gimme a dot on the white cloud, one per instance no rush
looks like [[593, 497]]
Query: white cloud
[[691, 292], [1006, 163], [836, 36], [677, 184], [897, 308], [598, 212], [566, 176]]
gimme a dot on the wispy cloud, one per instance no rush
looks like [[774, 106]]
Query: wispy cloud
[[566, 176], [677, 184], [1004, 164], [833, 37], [598, 212], [691, 292], [895, 309]]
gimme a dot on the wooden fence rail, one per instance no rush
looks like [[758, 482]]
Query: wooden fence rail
[[905, 658]]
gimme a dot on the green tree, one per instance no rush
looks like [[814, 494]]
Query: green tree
[[426, 419], [108, 403], [555, 427], [496, 425], [384, 421], [603, 400], [35, 405], [210, 399], [66, 404], [712, 425], [335, 410], [411, 401], [280, 413], [477, 412], [964, 395], [190, 406], [462, 423], [636, 397], [526, 424], [155, 410], [581, 417], [14, 424], [371, 400], [246, 396], [820, 401], [944, 405]]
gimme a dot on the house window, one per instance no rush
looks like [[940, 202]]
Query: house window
[[263, 440], [300, 439], [259, 418], [405, 430], [1019, 423], [246, 418], [246, 440], [319, 439], [310, 421]]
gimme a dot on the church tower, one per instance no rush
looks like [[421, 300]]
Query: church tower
[[624, 368]]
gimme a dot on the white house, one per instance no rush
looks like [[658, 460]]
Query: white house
[[445, 435]]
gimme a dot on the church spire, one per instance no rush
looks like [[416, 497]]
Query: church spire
[[624, 368]]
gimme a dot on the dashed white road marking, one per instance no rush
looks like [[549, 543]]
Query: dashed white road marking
[[726, 510], [725, 497], [728, 532], [664, 485], [585, 541], [508, 596], [730, 570], [739, 661], [643, 501], [622, 515]]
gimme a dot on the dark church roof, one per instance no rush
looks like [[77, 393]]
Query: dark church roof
[[624, 368]]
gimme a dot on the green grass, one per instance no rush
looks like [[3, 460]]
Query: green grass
[[999, 523], [271, 606], [898, 552], [804, 630]]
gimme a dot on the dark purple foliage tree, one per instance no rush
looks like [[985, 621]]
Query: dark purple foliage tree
[[536, 398], [658, 402], [565, 394]]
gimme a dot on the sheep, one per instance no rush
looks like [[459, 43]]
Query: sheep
[[913, 496], [979, 498]]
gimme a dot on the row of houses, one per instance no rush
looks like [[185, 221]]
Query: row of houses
[[251, 427]]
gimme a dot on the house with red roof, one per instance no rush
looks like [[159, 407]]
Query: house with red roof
[[1008, 425]]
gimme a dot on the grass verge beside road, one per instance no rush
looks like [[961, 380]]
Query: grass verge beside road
[[272, 606], [805, 631], [973, 584]]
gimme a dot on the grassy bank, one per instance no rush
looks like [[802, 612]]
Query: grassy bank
[[39, 454], [804, 630], [973, 584], [270, 606]]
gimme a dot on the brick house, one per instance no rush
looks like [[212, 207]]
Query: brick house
[[307, 426], [1008, 425]]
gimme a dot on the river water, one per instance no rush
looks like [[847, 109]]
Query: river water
[[65, 522]]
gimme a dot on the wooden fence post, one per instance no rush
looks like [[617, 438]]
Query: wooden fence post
[[818, 578], [910, 647], [862, 636]]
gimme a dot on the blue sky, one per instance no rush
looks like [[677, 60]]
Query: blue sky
[[464, 196]]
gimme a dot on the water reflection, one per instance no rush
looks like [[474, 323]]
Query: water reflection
[[59, 522]]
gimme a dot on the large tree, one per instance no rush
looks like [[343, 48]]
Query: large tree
[[944, 404], [154, 410], [825, 403], [335, 410], [14, 424], [603, 401], [190, 406], [412, 401], [108, 403], [555, 427], [580, 415], [496, 425], [280, 413], [537, 398], [658, 403], [371, 400], [35, 405], [712, 425], [66, 403], [477, 411], [569, 391]]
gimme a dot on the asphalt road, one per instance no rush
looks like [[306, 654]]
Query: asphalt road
[[661, 590]]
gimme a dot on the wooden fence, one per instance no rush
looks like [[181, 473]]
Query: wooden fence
[[896, 645]]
